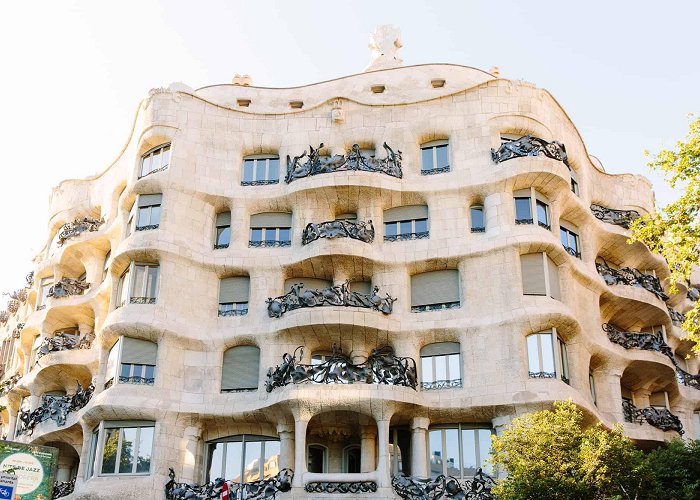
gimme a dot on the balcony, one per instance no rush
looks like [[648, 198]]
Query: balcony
[[337, 295], [63, 342], [66, 287], [63, 488], [436, 307], [530, 146], [354, 160], [622, 218], [411, 488], [361, 231], [77, 227], [382, 367], [54, 408], [661, 418], [263, 489], [630, 277]]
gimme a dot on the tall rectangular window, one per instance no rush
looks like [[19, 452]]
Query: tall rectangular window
[[406, 223], [440, 366], [122, 448], [155, 160], [458, 450], [523, 210], [260, 170], [270, 230], [139, 284], [528, 202], [148, 214], [435, 158], [570, 241], [44, 287], [233, 296], [223, 230], [476, 215], [540, 355]]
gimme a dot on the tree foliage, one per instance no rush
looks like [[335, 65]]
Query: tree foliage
[[548, 455], [675, 467], [674, 231]]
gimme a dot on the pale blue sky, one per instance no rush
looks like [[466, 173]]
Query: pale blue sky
[[74, 73]]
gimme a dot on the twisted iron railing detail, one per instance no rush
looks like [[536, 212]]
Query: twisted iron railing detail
[[265, 489], [54, 408], [622, 218], [63, 488], [137, 380], [337, 295], [77, 227], [148, 227], [260, 183], [541, 374], [437, 170], [408, 236], [530, 146], [353, 160], [661, 418], [63, 342], [18, 330], [142, 300], [362, 231], [269, 243], [413, 488], [436, 307], [441, 384], [381, 367], [66, 287], [7, 385], [341, 487], [693, 294], [233, 312], [631, 277], [677, 317]]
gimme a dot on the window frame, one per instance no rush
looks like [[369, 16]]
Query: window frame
[[243, 439], [45, 285], [560, 357], [267, 243], [151, 154], [219, 230], [115, 377], [434, 146], [472, 227], [128, 275], [254, 181], [592, 388], [549, 289], [570, 234], [536, 200], [449, 382], [412, 235], [460, 427], [97, 446], [137, 216]]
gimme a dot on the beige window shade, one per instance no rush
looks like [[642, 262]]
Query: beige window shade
[[240, 368], [223, 219], [360, 286], [309, 283], [147, 200], [657, 399], [137, 351], [440, 348], [522, 193], [437, 287], [532, 268], [271, 219], [235, 289], [407, 212], [553, 271], [539, 196]]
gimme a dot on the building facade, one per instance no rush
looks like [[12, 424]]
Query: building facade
[[328, 291]]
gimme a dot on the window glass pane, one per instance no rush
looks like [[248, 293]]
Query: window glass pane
[[469, 450], [242, 306], [248, 170], [223, 235], [564, 237], [139, 281], [442, 160], [547, 353], [440, 367], [453, 366], [426, 368], [452, 460], [234, 451], [484, 449], [271, 465], [533, 359], [422, 226], [256, 234], [390, 229], [155, 215], [285, 234], [155, 164], [150, 371], [152, 285], [93, 453], [143, 461], [124, 283], [477, 216], [406, 227], [126, 370], [573, 242], [542, 213], [271, 234], [109, 455], [146, 165], [144, 216], [166, 157], [427, 159], [435, 443], [216, 461], [126, 457], [523, 210], [564, 359], [260, 167], [253, 451], [273, 169]]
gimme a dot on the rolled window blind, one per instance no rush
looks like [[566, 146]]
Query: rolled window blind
[[240, 368], [147, 200], [553, 271], [271, 219], [532, 267], [138, 351], [437, 287], [407, 212], [360, 286], [309, 283], [235, 289], [223, 219], [657, 399], [522, 193], [440, 348]]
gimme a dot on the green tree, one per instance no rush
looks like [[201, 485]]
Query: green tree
[[674, 231], [676, 469], [547, 454]]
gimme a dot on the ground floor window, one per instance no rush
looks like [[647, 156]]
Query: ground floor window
[[458, 450], [121, 448], [244, 458]]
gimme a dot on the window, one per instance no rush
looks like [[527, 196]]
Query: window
[[406, 223], [476, 216], [659, 400], [529, 202], [574, 183], [244, 459], [696, 424], [105, 268], [155, 160], [317, 459], [121, 448], [260, 170], [459, 450], [352, 459], [591, 386], [233, 296], [132, 361], [44, 287], [570, 241], [540, 275], [440, 366], [435, 290], [139, 284], [434, 158], [240, 369], [543, 361], [223, 230], [148, 215], [270, 230]]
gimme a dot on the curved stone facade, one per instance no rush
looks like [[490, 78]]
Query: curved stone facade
[[356, 405]]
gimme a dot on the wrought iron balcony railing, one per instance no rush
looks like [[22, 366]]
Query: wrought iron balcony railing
[[148, 227], [541, 374], [530, 146], [631, 277], [77, 227], [436, 170], [573, 252], [233, 312], [54, 408], [338, 295], [362, 231], [478, 230], [436, 307], [221, 246], [269, 243], [7, 385], [265, 182], [441, 384], [137, 380], [677, 317], [382, 367], [63, 488], [354, 160], [693, 294], [413, 488], [265, 489], [408, 236], [63, 342], [66, 287], [142, 300], [331, 487], [661, 418], [621, 218]]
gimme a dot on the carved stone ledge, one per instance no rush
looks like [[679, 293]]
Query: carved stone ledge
[[341, 487], [362, 231], [265, 489], [77, 227], [413, 488], [530, 146], [622, 218], [66, 287]]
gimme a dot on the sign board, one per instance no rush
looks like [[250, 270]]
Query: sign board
[[8, 486], [34, 466]]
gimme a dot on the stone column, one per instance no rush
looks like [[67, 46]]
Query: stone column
[[12, 425], [368, 441], [101, 376], [300, 426], [286, 435], [383, 466], [498, 211], [190, 444], [419, 452]]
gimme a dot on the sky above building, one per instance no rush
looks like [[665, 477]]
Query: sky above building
[[74, 72]]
